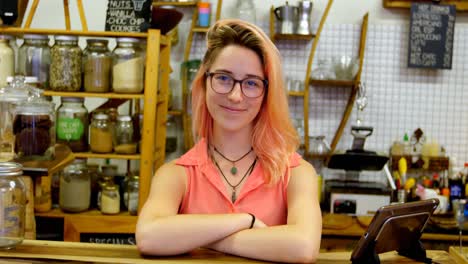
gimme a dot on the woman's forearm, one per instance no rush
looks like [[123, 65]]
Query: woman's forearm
[[286, 243], [178, 234]]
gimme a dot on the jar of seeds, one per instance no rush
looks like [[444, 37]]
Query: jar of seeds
[[65, 66]]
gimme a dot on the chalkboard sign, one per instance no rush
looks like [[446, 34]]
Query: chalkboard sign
[[128, 15], [432, 28], [117, 239]]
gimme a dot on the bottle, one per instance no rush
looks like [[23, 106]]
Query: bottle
[[73, 124], [12, 205], [7, 60], [65, 65], [34, 58], [246, 11], [128, 66], [100, 138], [75, 187], [457, 189], [97, 64]]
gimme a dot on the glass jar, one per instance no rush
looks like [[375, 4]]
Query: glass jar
[[7, 60], [109, 172], [34, 130], [12, 204], [97, 62], [245, 10], [110, 199], [123, 140], [75, 187], [65, 65], [34, 58], [131, 194], [318, 150], [128, 66], [94, 175], [73, 124], [100, 134]]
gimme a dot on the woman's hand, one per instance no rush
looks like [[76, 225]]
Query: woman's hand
[[259, 224]]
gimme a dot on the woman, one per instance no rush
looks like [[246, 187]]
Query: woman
[[241, 189]]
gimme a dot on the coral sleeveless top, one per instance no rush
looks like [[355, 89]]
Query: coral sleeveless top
[[207, 194]]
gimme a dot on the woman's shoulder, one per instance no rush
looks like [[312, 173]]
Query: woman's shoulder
[[171, 168]]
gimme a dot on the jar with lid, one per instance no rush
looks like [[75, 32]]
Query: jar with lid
[[110, 199], [34, 58], [318, 149], [128, 66], [107, 178], [131, 194], [75, 187], [100, 134], [73, 124], [34, 130], [12, 41], [12, 204], [7, 60], [94, 175], [97, 62], [65, 65], [123, 140]]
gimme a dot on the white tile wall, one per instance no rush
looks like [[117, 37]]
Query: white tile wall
[[401, 99]]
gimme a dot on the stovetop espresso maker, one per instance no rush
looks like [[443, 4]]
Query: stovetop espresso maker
[[304, 13], [294, 19]]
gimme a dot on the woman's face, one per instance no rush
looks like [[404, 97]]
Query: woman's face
[[234, 111]]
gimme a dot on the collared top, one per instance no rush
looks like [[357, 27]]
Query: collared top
[[207, 194]]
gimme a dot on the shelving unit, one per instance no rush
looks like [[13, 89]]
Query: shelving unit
[[152, 156], [277, 36]]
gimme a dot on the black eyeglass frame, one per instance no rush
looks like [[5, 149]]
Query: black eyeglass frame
[[264, 81]]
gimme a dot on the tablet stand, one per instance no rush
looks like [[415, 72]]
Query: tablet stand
[[416, 251]]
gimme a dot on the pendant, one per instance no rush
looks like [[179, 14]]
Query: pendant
[[233, 170], [234, 196]]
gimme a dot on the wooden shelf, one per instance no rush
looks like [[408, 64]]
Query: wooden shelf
[[106, 155], [58, 213], [175, 112], [200, 29], [97, 95], [337, 83], [459, 5], [178, 4], [293, 36], [298, 94]]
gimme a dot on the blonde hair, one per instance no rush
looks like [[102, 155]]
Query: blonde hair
[[274, 138]]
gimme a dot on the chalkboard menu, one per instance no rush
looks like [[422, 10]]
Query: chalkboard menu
[[119, 239], [128, 15], [432, 28]]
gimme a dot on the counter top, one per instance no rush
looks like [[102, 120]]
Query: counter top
[[41, 252]]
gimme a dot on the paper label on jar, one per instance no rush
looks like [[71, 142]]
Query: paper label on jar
[[10, 220], [69, 128]]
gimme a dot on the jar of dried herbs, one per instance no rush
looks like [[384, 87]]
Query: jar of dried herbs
[[100, 134], [128, 66], [123, 140], [34, 58], [97, 63], [65, 66], [73, 124]]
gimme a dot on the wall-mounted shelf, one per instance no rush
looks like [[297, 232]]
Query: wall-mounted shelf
[[460, 5], [179, 4]]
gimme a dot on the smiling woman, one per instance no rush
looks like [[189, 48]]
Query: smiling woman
[[242, 189]]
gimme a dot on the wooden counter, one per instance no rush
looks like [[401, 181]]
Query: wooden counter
[[36, 251]]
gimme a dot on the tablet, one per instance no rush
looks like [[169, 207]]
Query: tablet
[[395, 227]]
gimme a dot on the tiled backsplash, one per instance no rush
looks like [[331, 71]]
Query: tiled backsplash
[[401, 99]]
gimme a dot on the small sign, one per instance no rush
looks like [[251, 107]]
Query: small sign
[[432, 28], [128, 15], [116, 239]]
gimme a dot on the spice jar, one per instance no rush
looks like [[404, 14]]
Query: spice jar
[[65, 65], [123, 139], [97, 62], [100, 134], [34, 130], [34, 58], [7, 60], [73, 124], [128, 66], [131, 194], [12, 204], [110, 199], [108, 173], [75, 187]]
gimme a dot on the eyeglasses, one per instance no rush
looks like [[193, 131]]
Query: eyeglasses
[[223, 83]]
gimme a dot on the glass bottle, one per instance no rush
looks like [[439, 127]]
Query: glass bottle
[[97, 62], [132, 194], [12, 205], [123, 140], [100, 139], [34, 58], [128, 66], [246, 11], [73, 124], [75, 187], [7, 60], [65, 65], [110, 199]]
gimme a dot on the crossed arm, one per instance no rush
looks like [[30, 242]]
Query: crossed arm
[[161, 231]]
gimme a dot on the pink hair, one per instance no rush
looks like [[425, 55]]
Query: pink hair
[[274, 138]]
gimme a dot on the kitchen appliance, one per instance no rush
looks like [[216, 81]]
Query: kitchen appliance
[[287, 15], [350, 195], [303, 22]]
